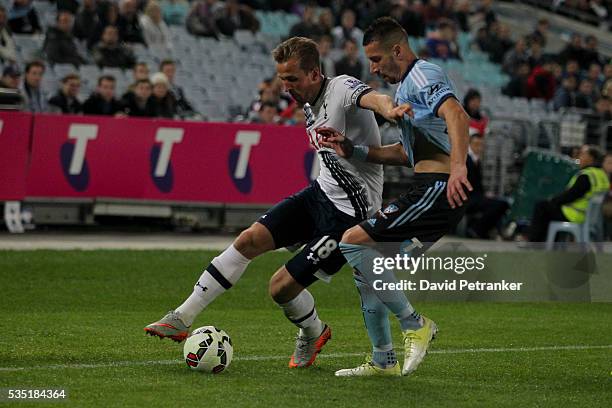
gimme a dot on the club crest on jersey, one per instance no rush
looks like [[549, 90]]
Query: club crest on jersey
[[352, 83], [391, 209], [372, 221]]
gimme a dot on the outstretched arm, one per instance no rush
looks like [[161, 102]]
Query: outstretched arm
[[390, 154], [384, 106]]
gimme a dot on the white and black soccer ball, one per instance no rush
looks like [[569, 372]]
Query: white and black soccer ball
[[208, 349]]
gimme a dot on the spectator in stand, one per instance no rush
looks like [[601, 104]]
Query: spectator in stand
[[270, 91], [86, 20], [572, 68], [585, 98], [442, 43], [541, 83], [60, 45], [591, 53], [350, 64], [410, 17], [139, 102], [536, 56], [517, 86], [471, 104], [175, 11], [461, 15], [607, 71], [433, 11], [102, 101], [347, 29], [11, 78], [594, 75], [540, 34], [327, 63], [128, 23], [565, 95], [485, 212], [201, 19], [154, 29], [326, 22], [110, 53], [23, 18], [109, 16], [500, 43], [140, 71], [164, 102], [35, 97], [66, 99], [234, 16], [8, 54], [184, 108], [267, 114], [485, 13], [308, 27], [573, 50], [516, 56]]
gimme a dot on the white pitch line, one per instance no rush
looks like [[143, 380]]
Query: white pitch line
[[331, 355]]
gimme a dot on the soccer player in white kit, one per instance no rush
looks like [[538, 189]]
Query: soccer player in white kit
[[345, 193]]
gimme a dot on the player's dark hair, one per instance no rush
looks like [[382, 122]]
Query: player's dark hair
[[385, 30], [304, 49], [597, 154]]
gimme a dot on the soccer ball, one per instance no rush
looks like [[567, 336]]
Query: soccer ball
[[208, 349]]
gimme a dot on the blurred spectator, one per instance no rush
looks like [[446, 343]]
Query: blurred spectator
[[86, 20], [23, 18], [201, 19], [541, 83], [571, 204], [573, 50], [485, 12], [308, 27], [327, 63], [517, 86], [607, 71], [267, 114], [471, 104], [442, 42], [35, 97], [591, 53], [164, 102], [572, 68], [8, 54], [485, 212], [102, 101], [67, 5], [540, 34], [11, 77], [326, 22], [298, 118], [140, 71], [347, 29], [500, 43], [270, 91], [433, 11], [154, 29], [139, 102], [565, 95], [128, 23], [350, 64], [536, 56], [595, 76], [410, 17], [175, 11], [461, 15], [108, 16], [234, 16], [602, 110], [66, 99], [184, 108], [110, 53], [516, 56], [60, 45], [585, 98]]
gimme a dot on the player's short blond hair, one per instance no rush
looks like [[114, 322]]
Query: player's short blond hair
[[304, 49]]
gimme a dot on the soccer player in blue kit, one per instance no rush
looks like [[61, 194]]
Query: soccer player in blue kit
[[434, 140]]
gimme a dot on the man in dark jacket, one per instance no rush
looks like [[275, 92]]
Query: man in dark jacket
[[102, 101], [139, 102], [59, 44], [130, 30], [66, 99], [110, 53]]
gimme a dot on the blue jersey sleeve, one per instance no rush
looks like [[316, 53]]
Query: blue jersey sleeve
[[433, 86]]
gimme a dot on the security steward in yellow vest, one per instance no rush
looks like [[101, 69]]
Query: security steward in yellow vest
[[571, 204]]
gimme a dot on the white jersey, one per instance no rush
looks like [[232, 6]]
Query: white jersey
[[354, 186]]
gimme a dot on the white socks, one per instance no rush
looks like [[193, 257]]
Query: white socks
[[301, 312], [223, 272]]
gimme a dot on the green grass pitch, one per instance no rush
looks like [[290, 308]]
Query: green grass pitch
[[74, 319]]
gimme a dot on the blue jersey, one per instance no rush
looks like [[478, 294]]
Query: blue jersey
[[425, 87]]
